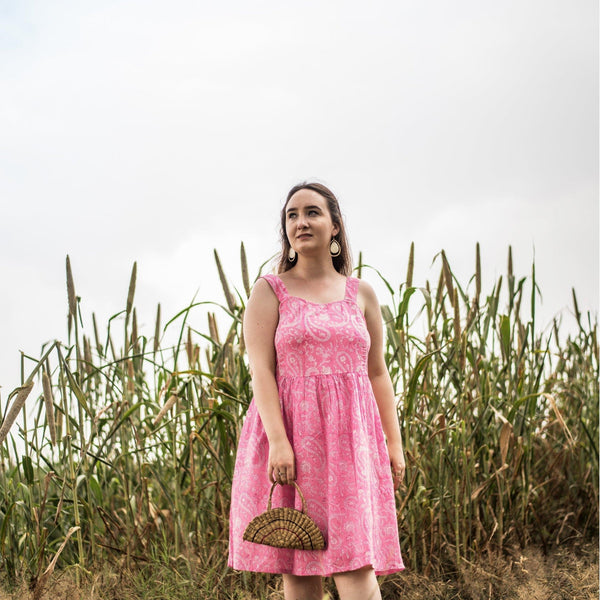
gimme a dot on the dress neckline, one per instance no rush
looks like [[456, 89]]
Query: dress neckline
[[344, 299]]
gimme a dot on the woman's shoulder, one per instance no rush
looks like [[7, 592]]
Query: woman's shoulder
[[366, 289], [264, 282], [268, 287]]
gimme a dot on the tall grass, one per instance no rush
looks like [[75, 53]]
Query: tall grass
[[132, 444]]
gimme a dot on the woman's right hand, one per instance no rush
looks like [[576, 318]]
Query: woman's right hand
[[281, 466]]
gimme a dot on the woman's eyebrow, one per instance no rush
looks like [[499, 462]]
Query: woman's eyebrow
[[306, 208]]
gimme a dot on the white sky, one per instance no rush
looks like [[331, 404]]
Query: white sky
[[156, 131]]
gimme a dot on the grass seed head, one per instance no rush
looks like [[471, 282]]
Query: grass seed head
[[189, 347], [440, 288], [157, 330], [213, 329], [456, 317], [411, 265], [165, 409], [131, 292], [245, 278], [71, 291], [447, 275], [87, 355], [21, 395], [228, 296]]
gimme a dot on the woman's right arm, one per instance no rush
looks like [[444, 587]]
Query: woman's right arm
[[260, 322]]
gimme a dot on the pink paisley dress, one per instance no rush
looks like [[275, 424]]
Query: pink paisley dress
[[333, 424]]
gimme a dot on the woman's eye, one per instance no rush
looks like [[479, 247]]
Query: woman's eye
[[313, 212]]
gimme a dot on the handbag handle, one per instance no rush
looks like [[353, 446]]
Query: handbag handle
[[297, 489]]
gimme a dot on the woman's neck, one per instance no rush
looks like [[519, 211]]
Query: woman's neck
[[308, 268]]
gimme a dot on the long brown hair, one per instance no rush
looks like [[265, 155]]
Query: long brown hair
[[343, 262]]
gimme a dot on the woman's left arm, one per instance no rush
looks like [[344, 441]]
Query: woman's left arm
[[382, 383]]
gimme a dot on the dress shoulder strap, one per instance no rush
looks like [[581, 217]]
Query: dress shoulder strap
[[352, 284], [277, 285]]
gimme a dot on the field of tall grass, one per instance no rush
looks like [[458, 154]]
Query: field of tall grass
[[123, 460]]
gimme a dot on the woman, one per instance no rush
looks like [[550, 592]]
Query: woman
[[323, 400]]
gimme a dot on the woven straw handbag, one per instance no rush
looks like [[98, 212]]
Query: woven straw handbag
[[285, 527]]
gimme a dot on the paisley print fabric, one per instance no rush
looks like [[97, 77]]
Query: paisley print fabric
[[332, 422]]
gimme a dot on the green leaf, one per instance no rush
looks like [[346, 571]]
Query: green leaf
[[414, 379], [27, 469], [505, 335], [96, 489], [4, 528], [76, 389]]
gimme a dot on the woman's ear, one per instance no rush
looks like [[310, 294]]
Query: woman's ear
[[336, 229]]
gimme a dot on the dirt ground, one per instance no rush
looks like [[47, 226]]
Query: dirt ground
[[565, 574]]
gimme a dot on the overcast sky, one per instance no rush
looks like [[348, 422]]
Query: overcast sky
[[156, 132]]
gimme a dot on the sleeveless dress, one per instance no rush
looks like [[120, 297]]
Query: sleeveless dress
[[333, 424]]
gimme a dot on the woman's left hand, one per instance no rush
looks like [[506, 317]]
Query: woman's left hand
[[397, 464]]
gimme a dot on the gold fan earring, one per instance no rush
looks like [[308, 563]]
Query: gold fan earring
[[334, 248]]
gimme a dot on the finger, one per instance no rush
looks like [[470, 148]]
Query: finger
[[397, 475]]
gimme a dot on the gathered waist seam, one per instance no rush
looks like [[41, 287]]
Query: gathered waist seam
[[363, 372]]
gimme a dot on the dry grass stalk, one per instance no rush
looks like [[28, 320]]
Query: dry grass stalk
[[21, 395], [559, 417], [103, 410], [505, 437], [99, 347], [49, 401], [130, 378], [477, 273], [41, 582], [134, 333], [518, 304]]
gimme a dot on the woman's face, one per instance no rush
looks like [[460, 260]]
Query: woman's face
[[308, 223]]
